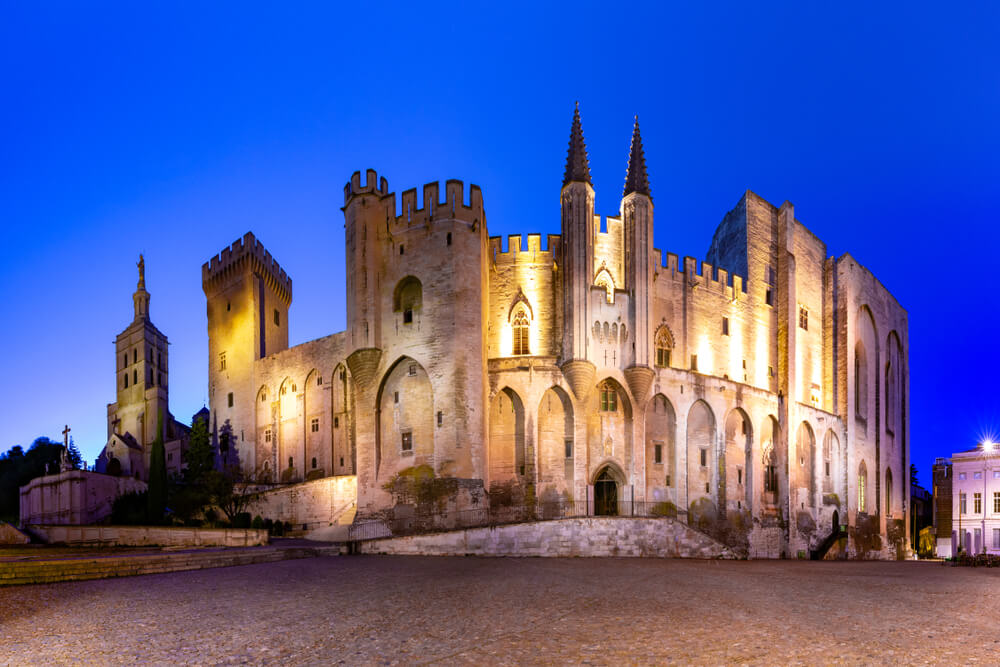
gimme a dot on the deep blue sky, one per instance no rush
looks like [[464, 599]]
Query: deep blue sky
[[174, 130]]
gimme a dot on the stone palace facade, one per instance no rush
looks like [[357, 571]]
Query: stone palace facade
[[767, 385]]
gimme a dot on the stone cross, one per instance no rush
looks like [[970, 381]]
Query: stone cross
[[66, 436]]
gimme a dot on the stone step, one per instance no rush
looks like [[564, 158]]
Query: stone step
[[40, 571]]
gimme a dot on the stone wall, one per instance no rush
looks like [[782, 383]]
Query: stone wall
[[580, 537], [140, 536], [315, 504], [11, 535], [73, 497]]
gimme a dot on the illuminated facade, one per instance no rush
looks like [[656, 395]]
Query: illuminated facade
[[766, 386], [970, 521]]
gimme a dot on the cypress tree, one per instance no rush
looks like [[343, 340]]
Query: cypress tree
[[157, 497]]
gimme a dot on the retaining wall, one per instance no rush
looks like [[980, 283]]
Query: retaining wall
[[583, 537], [73, 497], [312, 504], [140, 536]]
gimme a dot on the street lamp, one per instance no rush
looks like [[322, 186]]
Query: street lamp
[[988, 447]]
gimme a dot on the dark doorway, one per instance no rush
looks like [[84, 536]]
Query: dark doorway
[[836, 521], [115, 467], [605, 495]]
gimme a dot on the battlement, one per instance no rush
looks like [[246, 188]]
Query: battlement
[[410, 213], [699, 274], [519, 252], [246, 253]]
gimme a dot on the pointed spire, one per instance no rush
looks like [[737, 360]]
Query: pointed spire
[[636, 179], [577, 165]]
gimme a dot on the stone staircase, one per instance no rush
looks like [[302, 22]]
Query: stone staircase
[[338, 532], [37, 568]]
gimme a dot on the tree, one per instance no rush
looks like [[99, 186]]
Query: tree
[[18, 467], [157, 493], [913, 475], [75, 459], [232, 491], [198, 459]]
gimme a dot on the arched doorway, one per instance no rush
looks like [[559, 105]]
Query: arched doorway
[[836, 521], [114, 467], [605, 494]]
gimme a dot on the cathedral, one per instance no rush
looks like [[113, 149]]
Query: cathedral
[[766, 385]]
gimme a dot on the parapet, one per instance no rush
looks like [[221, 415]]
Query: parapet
[[410, 213], [246, 254], [519, 252], [701, 274]]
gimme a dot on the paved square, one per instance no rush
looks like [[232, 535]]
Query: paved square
[[386, 610]]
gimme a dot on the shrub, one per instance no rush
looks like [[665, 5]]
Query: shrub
[[257, 523], [242, 520], [130, 509], [664, 508]]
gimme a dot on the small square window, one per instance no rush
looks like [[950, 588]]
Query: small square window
[[961, 475], [407, 441], [412, 371], [657, 453], [996, 474], [314, 425], [977, 475], [230, 399], [725, 326]]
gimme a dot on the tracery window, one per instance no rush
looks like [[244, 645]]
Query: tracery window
[[663, 345], [862, 484], [521, 329], [609, 398]]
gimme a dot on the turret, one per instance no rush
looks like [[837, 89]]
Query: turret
[[368, 214], [637, 214], [577, 200]]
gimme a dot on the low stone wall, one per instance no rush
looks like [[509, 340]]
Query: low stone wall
[[75, 497], [585, 537], [314, 504], [140, 536]]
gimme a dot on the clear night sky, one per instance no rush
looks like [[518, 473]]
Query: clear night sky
[[173, 131]]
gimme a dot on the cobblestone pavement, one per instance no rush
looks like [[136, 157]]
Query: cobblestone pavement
[[411, 610]]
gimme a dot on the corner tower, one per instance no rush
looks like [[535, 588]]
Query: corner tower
[[248, 296], [637, 215], [577, 204]]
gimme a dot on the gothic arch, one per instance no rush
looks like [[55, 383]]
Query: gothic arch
[[701, 455], [769, 486], [316, 426], [831, 457], [609, 423], [404, 409], [508, 458], [663, 345], [661, 432], [604, 280], [289, 432], [889, 504], [555, 442], [863, 496], [343, 454], [803, 465], [520, 300], [408, 292], [738, 435], [264, 428]]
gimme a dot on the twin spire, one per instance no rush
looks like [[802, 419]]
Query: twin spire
[[578, 166]]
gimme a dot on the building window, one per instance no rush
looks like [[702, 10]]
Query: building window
[[222, 361], [336, 422], [159, 379], [291, 462], [440, 418], [277, 318], [694, 362], [977, 503], [996, 474], [170, 456], [229, 306], [725, 326], [449, 238], [412, 370], [663, 345], [135, 355], [294, 388], [319, 379], [769, 296], [568, 449], [125, 378], [996, 538], [770, 478], [230, 399], [657, 453], [267, 435], [961, 475], [407, 441], [125, 360], [961, 504], [401, 249], [996, 502], [314, 426], [826, 465], [803, 319], [739, 476], [135, 377], [395, 397], [609, 398], [703, 457], [407, 316], [862, 483], [521, 329], [314, 463], [977, 475], [263, 396]]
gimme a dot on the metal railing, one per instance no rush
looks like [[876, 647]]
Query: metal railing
[[402, 523]]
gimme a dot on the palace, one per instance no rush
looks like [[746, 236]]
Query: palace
[[767, 386]]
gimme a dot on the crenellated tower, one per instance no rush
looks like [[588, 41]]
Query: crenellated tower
[[577, 204], [248, 295], [637, 214]]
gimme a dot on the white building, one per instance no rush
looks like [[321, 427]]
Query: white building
[[975, 481]]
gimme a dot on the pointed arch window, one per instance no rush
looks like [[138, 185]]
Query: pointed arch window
[[862, 483], [609, 398], [521, 330], [664, 345]]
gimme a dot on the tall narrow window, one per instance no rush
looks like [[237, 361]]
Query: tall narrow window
[[125, 360], [222, 361], [862, 483], [521, 329], [314, 426], [277, 318], [407, 441], [962, 507], [230, 399], [663, 345], [657, 453], [725, 326], [996, 502], [609, 398], [888, 493], [977, 503], [803, 319], [703, 456]]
